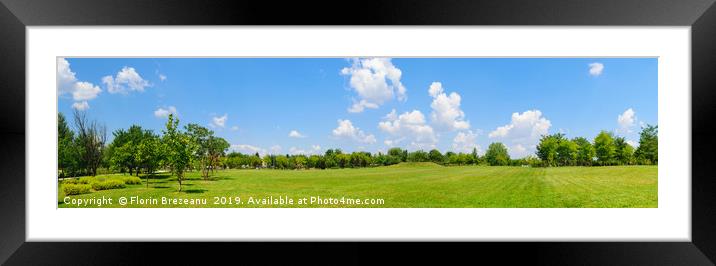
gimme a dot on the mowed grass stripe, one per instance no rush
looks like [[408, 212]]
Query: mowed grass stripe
[[418, 186]]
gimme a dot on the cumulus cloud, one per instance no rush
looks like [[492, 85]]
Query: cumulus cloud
[[162, 77], [219, 121], [346, 130], [446, 109], [595, 69], [296, 134], [524, 130], [81, 106], [275, 149], [518, 151], [67, 83], [375, 81], [85, 91], [126, 80], [315, 149], [627, 120], [465, 141], [248, 149], [632, 143], [164, 112], [408, 126]]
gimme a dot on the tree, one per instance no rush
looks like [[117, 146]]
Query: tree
[[585, 151], [216, 148], [124, 149], [67, 154], [604, 148], [179, 147], [435, 156], [648, 150], [150, 155], [547, 149], [497, 154], [91, 138], [566, 152], [418, 156], [201, 137], [623, 152]]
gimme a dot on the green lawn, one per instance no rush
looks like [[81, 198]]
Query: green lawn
[[407, 186]]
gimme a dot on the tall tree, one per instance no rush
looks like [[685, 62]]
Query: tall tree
[[648, 150], [91, 138], [604, 148], [547, 148], [201, 137], [436, 156], [567, 152], [585, 151], [67, 157], [623, 152], [179, 147], [497, 154]]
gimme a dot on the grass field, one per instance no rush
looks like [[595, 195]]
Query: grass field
[[421, 185]]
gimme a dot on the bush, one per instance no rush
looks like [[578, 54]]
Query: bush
[[132, 180], [76, 189], [85, 180], [107, 184], [73, 181]]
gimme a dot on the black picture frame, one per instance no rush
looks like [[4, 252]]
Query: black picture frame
[[15, 15]]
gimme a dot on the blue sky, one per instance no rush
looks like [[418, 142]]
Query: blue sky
[[368, 104]]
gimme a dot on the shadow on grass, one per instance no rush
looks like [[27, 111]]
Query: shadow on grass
[[194, 190]]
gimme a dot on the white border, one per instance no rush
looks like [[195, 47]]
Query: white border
[[669, 222]]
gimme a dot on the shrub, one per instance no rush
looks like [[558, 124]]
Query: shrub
[[73, 181], [132, 180], [76, 189], [107, 184], [85, 180]]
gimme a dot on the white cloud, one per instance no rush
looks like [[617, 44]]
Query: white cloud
[[81, 106], [375, 80], [162, 112], [409, 125], [219, 121], [626, 120], [446, 109], [315, 149], [465, 141], [162, 77], [518, 151], [275, 149], [234, 128], [524, 130], [67, 83], [65, 77], [296, 134], [126, 80], [595, 69], [632, 143], [85, 91], [248, 149], [346, 130]]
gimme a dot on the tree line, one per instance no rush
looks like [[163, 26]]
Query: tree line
[[84, 150]]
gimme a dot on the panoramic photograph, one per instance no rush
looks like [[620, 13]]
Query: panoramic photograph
[[371, 132]]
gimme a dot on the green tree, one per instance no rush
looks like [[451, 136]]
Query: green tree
[[585, 151], [604, 148], [648, 150], [67, 154], [497, 154], [150, 155], [547, 148], [179, 147], [435, 156], [567, 152], [623, 152], [201, 137]]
